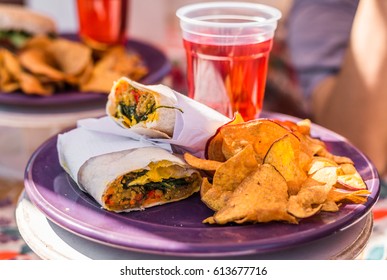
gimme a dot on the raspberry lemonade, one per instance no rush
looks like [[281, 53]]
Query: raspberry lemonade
[[241, 71], [227, 47]]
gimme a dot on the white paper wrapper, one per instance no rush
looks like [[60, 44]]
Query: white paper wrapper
[[193, 126], [79, 145]]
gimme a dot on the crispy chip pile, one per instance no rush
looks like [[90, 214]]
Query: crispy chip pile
[[269, 170], [45, 65]]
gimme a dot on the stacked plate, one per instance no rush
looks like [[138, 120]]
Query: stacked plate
[[176, 229]]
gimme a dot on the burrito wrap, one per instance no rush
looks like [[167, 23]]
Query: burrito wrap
[[154, 110], [137, 179]]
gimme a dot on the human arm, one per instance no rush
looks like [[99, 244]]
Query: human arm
[[354, 102]]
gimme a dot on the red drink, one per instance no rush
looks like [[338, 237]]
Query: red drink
[[102, 23], [239, 72]]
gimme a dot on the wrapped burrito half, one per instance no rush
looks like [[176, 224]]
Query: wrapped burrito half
[[134, 105], [138, 178]]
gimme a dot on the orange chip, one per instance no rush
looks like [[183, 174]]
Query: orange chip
[[308, 201], [203, 164], [351, 182], [31, 85], [284, 156], [37, 42], [261, 197], [206, 185], [38, 62], [318, 163], [70, 57], [226, 179], [244, 162], [214, 144], [327, 175], [260, 133], [8, 82], [339, 196], [275, 171], [330, 206]]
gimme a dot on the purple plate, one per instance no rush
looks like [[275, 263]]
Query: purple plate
[[176, 228], [156, 61]]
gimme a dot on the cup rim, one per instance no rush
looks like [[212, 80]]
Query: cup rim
[[182, 11]]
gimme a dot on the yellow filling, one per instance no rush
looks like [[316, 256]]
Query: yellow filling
[[160, 181], [134, 105]]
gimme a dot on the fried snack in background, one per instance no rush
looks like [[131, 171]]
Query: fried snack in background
[[112, 65], [14, 77], [46, 65], [272, 170]]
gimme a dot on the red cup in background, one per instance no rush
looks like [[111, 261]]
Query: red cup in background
[[103, 23]]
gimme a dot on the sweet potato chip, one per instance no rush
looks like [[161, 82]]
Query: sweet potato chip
[[216, 198], [318, 163], [327, 175], [351, 182], [31, 85], [83, 77], [112, 65], [225, 179], [70, 57], [46, 65], [330, 206], [261, 197], [11, 64], [340, 196], [129, 64], [244, 162], [214, 148], [9, 68], [214, 144], [100, 81], [302, 126], [38, 62], [206, 185], [308, 201], [335, 158], [348, 168], [260, 133], [275, 171], [37, 42], [284, 156], [13, 77], [203, 164]]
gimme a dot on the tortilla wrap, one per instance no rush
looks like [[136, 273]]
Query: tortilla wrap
[[136, 106], [137, 179]]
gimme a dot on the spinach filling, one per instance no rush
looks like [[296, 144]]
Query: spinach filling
[[131, 112], [128, 178], [126, 196], [163, 185]]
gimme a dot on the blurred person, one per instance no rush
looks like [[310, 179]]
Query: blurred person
[[339, 51]]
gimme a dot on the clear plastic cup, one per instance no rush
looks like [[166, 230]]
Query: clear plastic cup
[[227, 46]]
